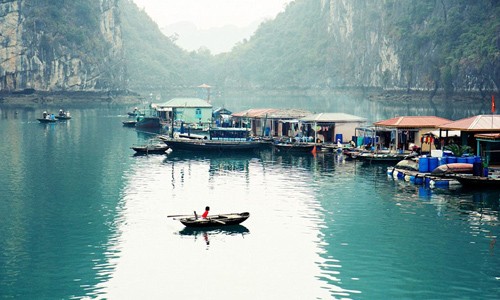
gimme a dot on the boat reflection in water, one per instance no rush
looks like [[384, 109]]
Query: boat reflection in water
[[211, 233]]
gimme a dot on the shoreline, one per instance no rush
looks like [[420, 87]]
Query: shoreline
[[67, 99], [39, 98]]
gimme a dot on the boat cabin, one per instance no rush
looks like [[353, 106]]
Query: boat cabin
[[229, 134]]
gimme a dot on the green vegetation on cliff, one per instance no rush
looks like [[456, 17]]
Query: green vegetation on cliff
[[453, 44]]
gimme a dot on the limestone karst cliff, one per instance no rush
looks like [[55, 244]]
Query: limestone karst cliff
[[54, 45]]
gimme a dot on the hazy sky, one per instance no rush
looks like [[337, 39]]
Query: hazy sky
[[211, 13]]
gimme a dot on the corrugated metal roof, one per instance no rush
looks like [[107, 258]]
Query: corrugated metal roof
[[288, 114], [486, 123], [413, 122], [332, 118], [255, 112], [185, 102]]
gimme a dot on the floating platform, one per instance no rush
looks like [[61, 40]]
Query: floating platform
[[419, 178]]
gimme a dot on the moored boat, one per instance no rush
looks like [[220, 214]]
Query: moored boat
[[295, 147], [381, 157], [218, 139], [148, 122], [471, 181], [129, 123], [215, 220], [150, 149]]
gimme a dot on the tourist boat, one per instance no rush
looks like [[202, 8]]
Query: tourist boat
[[218, 139], [294, 147], [215, 220], [150, 149], [471, 181]]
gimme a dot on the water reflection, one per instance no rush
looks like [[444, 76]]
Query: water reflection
[[214, 233]]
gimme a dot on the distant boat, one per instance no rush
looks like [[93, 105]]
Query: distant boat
[[64, 116], [219, 139], [135, 114], [215, 220], [45, 120]]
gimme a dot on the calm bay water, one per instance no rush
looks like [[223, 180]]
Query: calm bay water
[[82, 217]]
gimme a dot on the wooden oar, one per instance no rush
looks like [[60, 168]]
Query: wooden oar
[[173, 216]]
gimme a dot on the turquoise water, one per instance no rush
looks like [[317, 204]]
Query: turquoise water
[[82, 217]]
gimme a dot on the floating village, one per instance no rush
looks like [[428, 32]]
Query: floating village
[[424, 150]]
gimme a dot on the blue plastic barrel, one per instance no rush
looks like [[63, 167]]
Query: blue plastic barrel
[[419, 180], [423, 164], [441, 183], [470, 159], [452, 159], [433, 163], [462, 160], [443, 160]]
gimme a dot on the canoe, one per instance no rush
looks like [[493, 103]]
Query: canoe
[[215, 220]]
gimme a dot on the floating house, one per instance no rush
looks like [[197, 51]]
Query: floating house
[[481, 132], [410, 130], [270, 122], [331, 127], [186, 110]]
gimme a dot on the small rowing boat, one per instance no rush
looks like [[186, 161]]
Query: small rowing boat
[[215, 220], [150, 149]]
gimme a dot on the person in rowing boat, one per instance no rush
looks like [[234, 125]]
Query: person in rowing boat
[[205, 214]]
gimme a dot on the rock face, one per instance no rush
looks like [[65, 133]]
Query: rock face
[[54, 45], [423, 45]]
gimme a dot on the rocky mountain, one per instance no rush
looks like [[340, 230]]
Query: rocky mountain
[[448, 45], [87, 45], [61, 45]]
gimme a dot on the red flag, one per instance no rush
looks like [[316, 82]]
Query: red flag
[[493, 104]]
